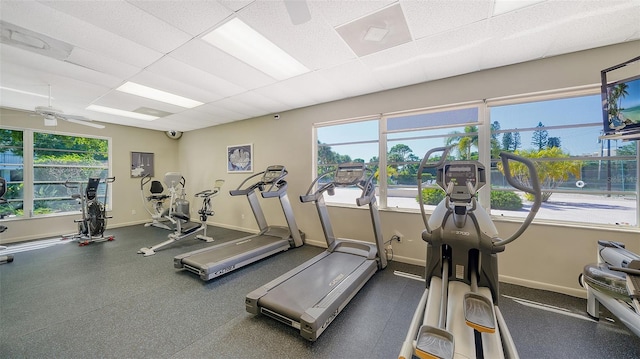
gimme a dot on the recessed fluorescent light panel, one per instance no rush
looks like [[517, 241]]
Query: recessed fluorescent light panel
[[241, 41], [115, 111], [151, 93]]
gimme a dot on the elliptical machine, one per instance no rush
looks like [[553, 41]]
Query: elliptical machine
[[7, 258], [614, 281], [458, 313], [93, 223], [156, 199], [179, 213]]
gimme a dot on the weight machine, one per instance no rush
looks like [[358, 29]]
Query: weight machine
[[93, 223]]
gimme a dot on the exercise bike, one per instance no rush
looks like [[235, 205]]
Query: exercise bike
[[156, 198], [614, 281], [7, 258], [180, 216], [93, 223], [458, 314]]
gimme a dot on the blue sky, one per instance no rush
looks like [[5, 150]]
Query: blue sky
[[577, 141]]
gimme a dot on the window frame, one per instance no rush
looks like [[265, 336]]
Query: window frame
[[28, 179], [484, 141]]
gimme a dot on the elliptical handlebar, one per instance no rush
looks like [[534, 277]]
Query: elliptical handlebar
[[424, 164], [534, 189]]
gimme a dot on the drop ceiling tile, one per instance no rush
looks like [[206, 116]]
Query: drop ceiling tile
[[125, 20], [433, 17], [208, 58], [93, 61], [396, 67], [175, 85], [262, 104], [42, 69], [192, 17], [58, 25], [336, 14], [617, 22], [178, 70], [454, 52], [222, 111], [352, 78], [271, 19]]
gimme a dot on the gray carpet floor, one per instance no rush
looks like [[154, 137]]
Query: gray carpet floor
[[105, 301]]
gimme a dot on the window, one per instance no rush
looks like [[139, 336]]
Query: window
[[352, 141], [408, 138], [12, 170], [582, 177], [38, 165]]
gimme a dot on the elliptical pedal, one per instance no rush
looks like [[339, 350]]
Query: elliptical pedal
[[479, 313]]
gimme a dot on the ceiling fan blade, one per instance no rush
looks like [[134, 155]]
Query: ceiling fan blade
[[86, 123], [76, 117], [298, 11]]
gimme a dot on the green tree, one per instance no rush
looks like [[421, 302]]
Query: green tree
[[628, 150], [463, 142], [495, 143], [551, 174], [553, 142], [507, 141], [539, 137]]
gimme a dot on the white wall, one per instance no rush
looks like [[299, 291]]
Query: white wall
[[547, 256]]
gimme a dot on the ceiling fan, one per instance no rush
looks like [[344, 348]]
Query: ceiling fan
[[51, 116]]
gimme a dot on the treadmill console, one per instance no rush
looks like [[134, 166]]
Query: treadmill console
[[273, 174], [349, 174]]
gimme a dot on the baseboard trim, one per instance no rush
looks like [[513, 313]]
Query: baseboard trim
[[579, 293]]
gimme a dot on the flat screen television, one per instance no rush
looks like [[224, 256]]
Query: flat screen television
[[621, 104]]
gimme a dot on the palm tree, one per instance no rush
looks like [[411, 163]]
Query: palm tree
[[464, 142]]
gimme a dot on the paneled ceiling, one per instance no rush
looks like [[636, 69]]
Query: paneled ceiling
[[83, 50]]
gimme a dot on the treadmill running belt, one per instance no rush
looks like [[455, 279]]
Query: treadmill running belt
[[308, 287]]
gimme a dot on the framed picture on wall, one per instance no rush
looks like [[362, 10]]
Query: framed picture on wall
[[141, 164], [240, 158]]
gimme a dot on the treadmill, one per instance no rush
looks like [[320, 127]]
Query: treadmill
[[214, 261], [310, 296]]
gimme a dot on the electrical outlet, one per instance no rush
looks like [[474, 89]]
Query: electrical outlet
[[133, 212], [242, 216], [399, 235]]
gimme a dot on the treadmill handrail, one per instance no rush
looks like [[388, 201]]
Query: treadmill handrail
[[310, 197], [239, 191]]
